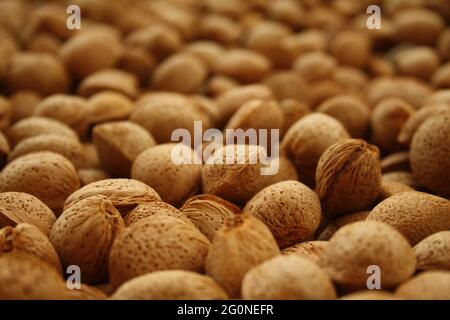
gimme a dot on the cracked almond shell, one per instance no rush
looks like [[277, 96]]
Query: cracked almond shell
[[83, 235], [172, 285], [356, 246], [290, 209], [208, 212], [415, 214], [29, 239], [433, 252], [430, 154], [47, 175], [348, 177], [118, 144], [157, 243], [287, 278], [125, 194], [241, 244]]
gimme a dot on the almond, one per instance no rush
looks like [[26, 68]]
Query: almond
[[348, 177], [289, 208], [46, 175], [85, 293], [311, 250], [356, 246], [433, 252], [287, 278], [170, 284], [157, 243], [109, 80], [241, 244], [88, 176], [415, 214], [335, 224], [149, 209], [108, 106], [84, 233], [428, 285]]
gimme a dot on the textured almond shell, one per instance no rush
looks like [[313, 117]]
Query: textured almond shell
[[433, 252], [157, 243], [356, 246], [118, 144], [67, 147], [428, 285], [85, 293], [88, 176], [415, 214], [29, 239], [348, 177], [398, 161], [125, 194], [46, 175], [149, 209], [241, 244], [24, 277], [84, 234], [208, 212], [170, 284], [19, 207], [338, 222], [109, 80], [173, 182], [430, 154], [289, 208], [287, 278], [312, 250], [108, 106]]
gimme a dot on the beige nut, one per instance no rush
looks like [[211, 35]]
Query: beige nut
[[433, 252], [428, 285]]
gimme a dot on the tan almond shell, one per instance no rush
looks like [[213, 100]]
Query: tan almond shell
[[308, 138], [84, 233], [415, 214], [244, 65], [29, 239], [387, 120], [389, 188], [348, 177], [428, 285], [288, 85], [109, 80], [208, 212], [118, 144], [398, 161], [161, 114], [87, 53], [157, 243], [34, 126], [90, 156], [312, 250], [70, 110], [433, 252], [20, 207], [170, 284], [125, 194], [417, 119], [287, 277], [257, 114], [370, 295], [149, 209], [206, 51], [356, 246], [25, 277], [108, 106], [137, 61], [173, 182], [290, 209], [338, 222], [241, 244], [231, 100], [5, 113], [352, 112], [88, 176], [65, 146], [404, 177], [235, 182], [182, 72], [47, 175], [85, 293], [430, 154], [293, 110]]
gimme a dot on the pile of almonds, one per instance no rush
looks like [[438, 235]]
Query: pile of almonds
[[90, 191]]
